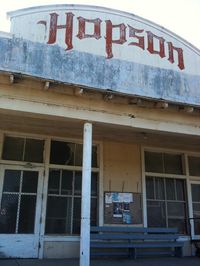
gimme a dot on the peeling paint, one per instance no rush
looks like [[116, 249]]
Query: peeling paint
[[53, 63]]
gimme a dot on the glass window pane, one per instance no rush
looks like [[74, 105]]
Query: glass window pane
[[27, 214], [78, 154], [178, 223], [94, 156], [173, 164], [77, 216], [153, 162], [93, 211], [195, 193], [170, 189], [170, 211], [11, 181], [30, 182], [194, 166], [180, 189], [150, 187], [196, 210], [196, 215], [94, 184], [176, 209], [62, 153], [8, 213], [78, 183], [58, 217], [156, 214], [54, 181], [159, 186], [67, 179], [34, 150], [13, 149]]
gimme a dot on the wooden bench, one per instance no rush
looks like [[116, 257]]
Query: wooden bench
[[134, 241]]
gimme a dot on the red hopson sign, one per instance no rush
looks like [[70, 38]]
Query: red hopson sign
[[103, 49], [126, 33]]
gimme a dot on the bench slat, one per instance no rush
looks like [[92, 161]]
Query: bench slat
[[157, 252], [133, 236], [96, 254], [134, 229], [135, 244]]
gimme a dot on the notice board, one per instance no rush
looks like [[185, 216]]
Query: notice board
[[122, 208]]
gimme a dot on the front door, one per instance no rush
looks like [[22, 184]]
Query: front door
[[195, 189], [20, 209]]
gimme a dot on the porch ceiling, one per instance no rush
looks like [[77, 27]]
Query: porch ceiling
[[69, 128]]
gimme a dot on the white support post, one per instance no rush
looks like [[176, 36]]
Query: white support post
[[86, 194]]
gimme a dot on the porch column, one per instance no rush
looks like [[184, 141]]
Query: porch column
[[85, 199]]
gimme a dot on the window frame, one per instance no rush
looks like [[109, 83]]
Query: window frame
[[21, 162], [184, 176], [193, 156], [166, 200], [71, 168], [72, 196]]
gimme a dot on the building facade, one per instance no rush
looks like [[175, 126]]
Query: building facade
[[138, 85]]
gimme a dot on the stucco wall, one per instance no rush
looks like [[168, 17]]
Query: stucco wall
[[121, 167], [61, 249]]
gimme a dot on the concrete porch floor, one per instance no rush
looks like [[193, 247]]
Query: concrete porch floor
[[164, 261]]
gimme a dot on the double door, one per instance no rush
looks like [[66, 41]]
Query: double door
[[20, 211]]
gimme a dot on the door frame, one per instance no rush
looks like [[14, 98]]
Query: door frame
[[28, 239]]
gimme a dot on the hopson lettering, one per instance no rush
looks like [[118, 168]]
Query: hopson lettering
[[164, 49]]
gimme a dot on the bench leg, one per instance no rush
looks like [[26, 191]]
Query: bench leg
[[179, 252], [132, 253]]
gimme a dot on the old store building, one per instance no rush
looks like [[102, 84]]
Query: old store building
[[136, 87]]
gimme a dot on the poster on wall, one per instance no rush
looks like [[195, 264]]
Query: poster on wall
[[122, 208], [117, 209], [111, 197]]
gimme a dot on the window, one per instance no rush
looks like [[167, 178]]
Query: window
[[166, 203], [23, 149], [67, 153], [194, 165], [64, 201], [64, 189], [163, 163], [166, 197]]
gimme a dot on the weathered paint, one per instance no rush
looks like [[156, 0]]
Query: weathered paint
[[85, 69], [18, 246], [122, 167], [103, 49], [61, 249]]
